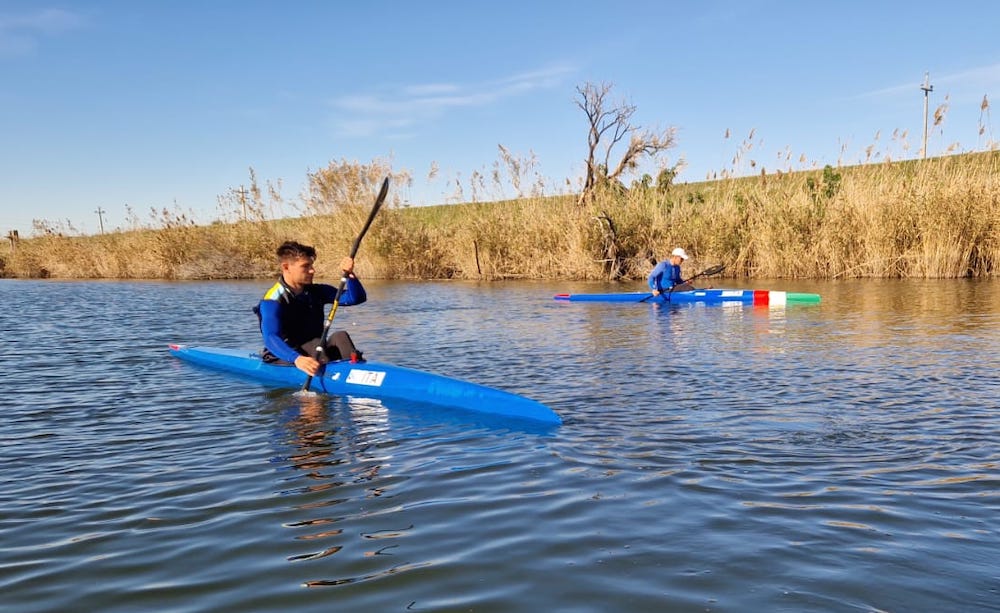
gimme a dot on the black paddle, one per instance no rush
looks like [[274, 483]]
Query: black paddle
[[705, 273], [343, 279]]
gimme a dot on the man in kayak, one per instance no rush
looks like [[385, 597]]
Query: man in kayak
[[291, 312], [667, 274]]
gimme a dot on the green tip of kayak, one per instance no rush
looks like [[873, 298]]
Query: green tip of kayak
[[795, 297]]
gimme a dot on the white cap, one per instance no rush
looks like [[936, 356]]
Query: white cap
[[680, 253]]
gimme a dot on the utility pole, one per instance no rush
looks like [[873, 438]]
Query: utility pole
[[243, 201], [928, 88], [100, 217]]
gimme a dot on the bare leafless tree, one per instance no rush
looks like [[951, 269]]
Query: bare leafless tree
[[610, 124]]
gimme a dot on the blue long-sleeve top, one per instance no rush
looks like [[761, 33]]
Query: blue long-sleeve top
[[664, 276], [288, 320]]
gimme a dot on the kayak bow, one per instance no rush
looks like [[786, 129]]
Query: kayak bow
[[706, 296], [374, 380]]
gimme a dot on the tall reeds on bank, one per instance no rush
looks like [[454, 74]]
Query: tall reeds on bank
[[938, 217]]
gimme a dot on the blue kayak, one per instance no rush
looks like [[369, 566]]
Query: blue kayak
[[373, 380], [706, 296]]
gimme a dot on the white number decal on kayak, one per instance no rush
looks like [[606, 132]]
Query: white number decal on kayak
[[365, 377]]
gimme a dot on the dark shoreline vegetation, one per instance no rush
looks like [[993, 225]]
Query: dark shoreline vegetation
[[932, 218]]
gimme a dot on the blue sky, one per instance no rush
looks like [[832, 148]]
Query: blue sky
[[105, 104]]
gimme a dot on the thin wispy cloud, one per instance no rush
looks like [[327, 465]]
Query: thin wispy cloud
[[390, 113], [546, 77], [985, 76], [431, 89], [983, 79], [22, 34], [363, 127]]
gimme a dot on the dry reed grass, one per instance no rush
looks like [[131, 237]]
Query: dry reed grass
[[938, 217]]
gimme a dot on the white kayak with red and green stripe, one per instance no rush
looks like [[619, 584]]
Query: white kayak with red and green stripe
[[705, 296]]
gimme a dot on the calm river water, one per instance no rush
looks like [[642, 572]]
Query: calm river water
[[835, 457]]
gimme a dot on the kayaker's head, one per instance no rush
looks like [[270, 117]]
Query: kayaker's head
[[297, 264], [677, 256]]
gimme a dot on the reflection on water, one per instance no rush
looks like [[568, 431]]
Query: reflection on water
[[337, 453], [829, 457]]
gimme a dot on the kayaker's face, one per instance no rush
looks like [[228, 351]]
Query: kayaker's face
[[676, 260], [298, 273]]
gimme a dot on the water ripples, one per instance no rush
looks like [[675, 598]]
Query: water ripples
[[837, 457]]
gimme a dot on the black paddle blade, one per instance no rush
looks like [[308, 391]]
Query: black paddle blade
[[705, 273], [713, 270]]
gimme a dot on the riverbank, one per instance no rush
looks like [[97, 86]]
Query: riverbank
[[935, 218]]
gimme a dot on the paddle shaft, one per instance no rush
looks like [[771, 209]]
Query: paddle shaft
[[343, 279]]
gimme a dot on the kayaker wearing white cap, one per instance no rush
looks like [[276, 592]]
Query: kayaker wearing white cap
[[667, 274]]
